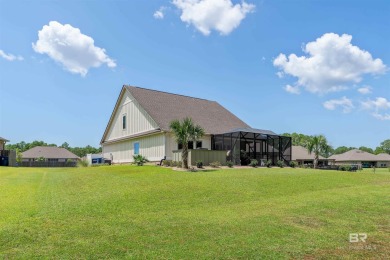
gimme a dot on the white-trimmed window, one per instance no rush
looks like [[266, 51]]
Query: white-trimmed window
[[124, 122], [136, 148]]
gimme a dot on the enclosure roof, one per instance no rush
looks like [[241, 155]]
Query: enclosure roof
[[251, 130], [165, 107], [3, 139], [383, 157], [49, 152]]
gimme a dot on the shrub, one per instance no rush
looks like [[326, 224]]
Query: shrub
[[179, 164], [215, 164], [293, 164], [82, 163], [139, 160], [167, 163], [268, 163], [199, 164], [280, 163], [229, 164], [254, 163]]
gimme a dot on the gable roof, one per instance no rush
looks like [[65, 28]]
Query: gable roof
[[355, 155], [49, 152], [165, 107], [383, 157], [3, 139], [301, 153]]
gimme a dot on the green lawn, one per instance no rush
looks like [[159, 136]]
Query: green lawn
[[152, 212]]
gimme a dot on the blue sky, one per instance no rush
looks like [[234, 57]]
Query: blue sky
[[313, 67]]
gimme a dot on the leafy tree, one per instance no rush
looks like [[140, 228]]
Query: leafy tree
[[342, 149], [366, 149], [65, 145], [185, 131], [385, 146], [317, 145], [379, 150], [19, 156]]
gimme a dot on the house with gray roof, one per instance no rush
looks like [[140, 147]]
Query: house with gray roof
[[3, 141], [302, 156], [362, 158], [49, 154], [139, 124]]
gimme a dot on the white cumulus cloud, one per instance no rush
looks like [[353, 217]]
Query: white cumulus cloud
[[207, 15], [159, 14], [9, 56], [365, 90], [331, 63], [68, 46], [376, 106], [292, 90], [345, 103]]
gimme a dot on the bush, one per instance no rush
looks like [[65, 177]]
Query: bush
[[293, 164], [215, 164], [167, 163], [280, 163], [139, 160], [254, 163], [82, 163], [229, 164], [268, 163], [344, 168], [179, 164], [199, 164]]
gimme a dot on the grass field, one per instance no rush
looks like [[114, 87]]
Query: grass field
[[152, 212]]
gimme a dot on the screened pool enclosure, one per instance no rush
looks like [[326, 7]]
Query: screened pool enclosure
[[244, 144]]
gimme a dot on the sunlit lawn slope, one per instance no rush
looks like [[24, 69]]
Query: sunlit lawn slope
[[152, 212]]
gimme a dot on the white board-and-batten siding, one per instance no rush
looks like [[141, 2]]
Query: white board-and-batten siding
[[118, 143], [152, 146], [138, 121]]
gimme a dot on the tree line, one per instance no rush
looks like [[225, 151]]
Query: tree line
[[304, 140], [79, 151]]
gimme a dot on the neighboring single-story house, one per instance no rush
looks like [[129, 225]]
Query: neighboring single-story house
[[49, 153], [383, 160], [362, 159], [139, 124], [7, 157], [2, 143], [302, 156]]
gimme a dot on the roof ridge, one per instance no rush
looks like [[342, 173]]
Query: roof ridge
[[165, 92]]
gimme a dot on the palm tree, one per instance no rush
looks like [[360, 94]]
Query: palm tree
[[317, 145], [184, 132]]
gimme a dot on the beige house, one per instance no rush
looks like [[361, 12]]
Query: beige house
[[2, 143], [362, 159], [302, 156], [140, 123], [7, 157], [49, 153]]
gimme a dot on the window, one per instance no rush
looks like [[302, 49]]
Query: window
[[136, 148], [124, 122], [190, 145]]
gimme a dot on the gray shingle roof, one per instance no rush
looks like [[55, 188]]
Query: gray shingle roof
[[354, 155], [3, 139], [165, 107], [383, 157], [49, 152], [301, 153]]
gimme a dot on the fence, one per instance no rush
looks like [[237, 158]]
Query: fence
[[206, 156], [48, 164]]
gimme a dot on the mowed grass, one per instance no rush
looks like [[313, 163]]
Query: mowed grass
[[152, 212]]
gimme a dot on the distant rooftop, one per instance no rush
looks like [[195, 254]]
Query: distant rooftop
[[49, 152]]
